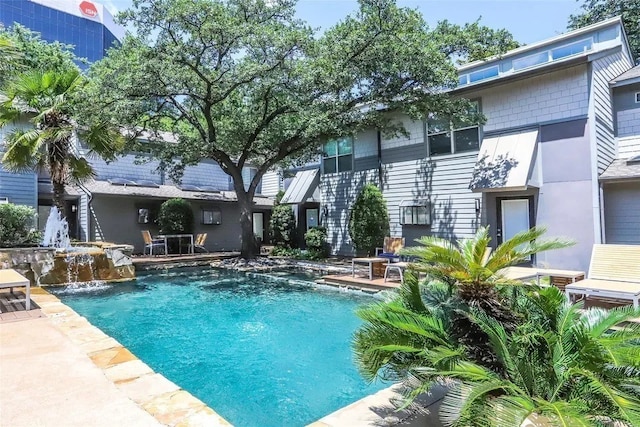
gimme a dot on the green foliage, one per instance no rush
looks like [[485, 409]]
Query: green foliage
[[22, 49], [316, 240], [598, 10], [560, 365], [246, 82], [17, 226], [175, 217], [47, 100], [283, 226], [369, 221], [286, 252]]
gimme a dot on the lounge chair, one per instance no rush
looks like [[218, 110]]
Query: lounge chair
[[151, 243], [391, 249], [614, 272], [199, 242]]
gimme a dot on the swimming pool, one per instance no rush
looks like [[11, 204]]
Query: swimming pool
[[259, 350]]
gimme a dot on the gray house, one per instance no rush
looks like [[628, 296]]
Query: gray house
[[126, 195], [545, 156]]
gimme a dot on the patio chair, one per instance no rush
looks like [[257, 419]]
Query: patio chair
[[392, 246], [151, 243], [199, 242], [614, 272]]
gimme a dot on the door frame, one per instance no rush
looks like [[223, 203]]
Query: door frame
[[532, 216]]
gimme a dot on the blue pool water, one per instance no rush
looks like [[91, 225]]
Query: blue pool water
[[260, 351]]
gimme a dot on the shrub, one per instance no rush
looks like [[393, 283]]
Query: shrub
[[369, 221], [316, 240], [175, 217], [285, 252], [283, 226], [16, 226]]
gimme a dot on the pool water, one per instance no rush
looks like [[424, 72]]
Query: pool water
[[259, 350]]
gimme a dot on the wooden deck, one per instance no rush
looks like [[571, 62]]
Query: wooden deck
[[12, 307]]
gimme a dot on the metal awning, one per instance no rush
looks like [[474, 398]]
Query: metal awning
[[302, 187], [504, 162]]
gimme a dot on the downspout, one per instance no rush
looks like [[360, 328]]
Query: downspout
[[86, 191], [380, 171]]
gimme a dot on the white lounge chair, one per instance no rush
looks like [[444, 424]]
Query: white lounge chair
[[614, 272]]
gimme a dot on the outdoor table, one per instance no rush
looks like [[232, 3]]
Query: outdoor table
[[369, 261], [10, 278], [165, 237]]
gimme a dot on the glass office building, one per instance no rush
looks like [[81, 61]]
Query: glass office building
[[86, 25]]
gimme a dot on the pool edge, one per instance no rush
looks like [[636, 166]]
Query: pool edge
[[168, 403]]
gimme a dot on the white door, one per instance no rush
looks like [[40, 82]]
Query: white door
[[258, 225], [515, 217]]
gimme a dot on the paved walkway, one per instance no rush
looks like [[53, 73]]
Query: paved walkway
[[46, 380]]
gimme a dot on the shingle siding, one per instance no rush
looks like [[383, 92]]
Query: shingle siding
[[629, 123], [127, 167], [553, 96]]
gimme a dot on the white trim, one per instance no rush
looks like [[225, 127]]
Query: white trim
[[542, 43]]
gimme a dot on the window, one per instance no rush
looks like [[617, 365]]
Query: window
[[571, 49], [211, 216], [415, 212], [484, 74], [144, 216], [637, 97], [337, 156], [531, 60], [447, 136]]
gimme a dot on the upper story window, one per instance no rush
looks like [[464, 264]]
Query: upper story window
[[637, 97], [447, 136], [337, 156]]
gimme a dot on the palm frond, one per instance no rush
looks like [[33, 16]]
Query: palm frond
[[23, 150]]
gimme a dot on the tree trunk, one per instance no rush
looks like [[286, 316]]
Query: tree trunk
[[58, 198], [249, 247]]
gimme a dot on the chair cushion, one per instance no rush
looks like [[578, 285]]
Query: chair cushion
[[388, 255]]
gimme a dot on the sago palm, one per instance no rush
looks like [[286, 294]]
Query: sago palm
[[558, 366], [471, 269], [563, 367], [46, 101]]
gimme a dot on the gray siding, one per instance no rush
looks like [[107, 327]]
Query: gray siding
[[404, 153], [603, 71], [19, 188], [444, 182], [629, 147], [206, 173], [127, 167], [339, 191], [271, 183], [622, 213], [115, 220]]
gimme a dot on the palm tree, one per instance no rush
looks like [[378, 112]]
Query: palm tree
[[46, 100], [472, 270], [560, 366]]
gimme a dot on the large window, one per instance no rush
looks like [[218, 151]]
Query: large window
[[337, 156], [446, 136]]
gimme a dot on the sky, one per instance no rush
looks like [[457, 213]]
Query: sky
[[528, 20]]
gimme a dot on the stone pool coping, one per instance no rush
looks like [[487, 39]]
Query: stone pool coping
[[165, 401]]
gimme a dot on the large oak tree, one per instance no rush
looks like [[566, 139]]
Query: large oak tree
[[243, 82]]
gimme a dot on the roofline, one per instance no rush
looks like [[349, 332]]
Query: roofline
[[626, 82], [526, 48]]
